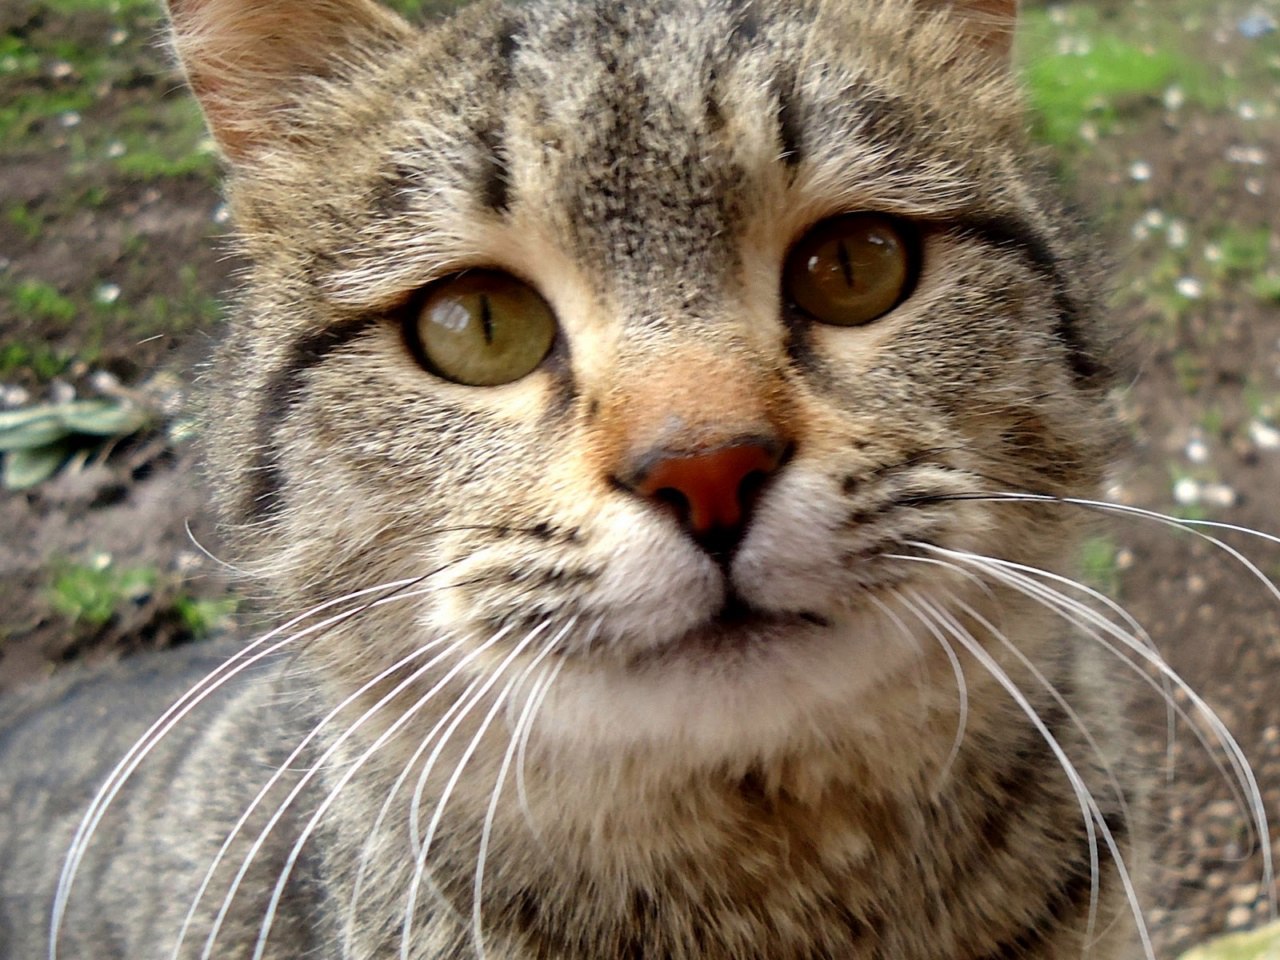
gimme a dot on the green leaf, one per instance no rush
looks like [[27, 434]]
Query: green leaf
[[103, 418], [46, 423], [24, 468], [30, 428]]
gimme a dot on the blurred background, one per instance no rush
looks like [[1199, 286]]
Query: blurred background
[[1161, 116]]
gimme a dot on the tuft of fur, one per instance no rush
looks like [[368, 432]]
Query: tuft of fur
[[830, 779]]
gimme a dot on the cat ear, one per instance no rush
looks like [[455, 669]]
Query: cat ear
[[244, 58], [990, 22]]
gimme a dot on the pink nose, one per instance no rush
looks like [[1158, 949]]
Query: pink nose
[[711, 492]]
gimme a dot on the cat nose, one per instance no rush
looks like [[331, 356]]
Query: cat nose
[[711, 492]]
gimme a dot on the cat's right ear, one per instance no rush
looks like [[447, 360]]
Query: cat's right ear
[[245, 59]]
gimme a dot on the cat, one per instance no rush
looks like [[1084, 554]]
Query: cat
[[668, 422]]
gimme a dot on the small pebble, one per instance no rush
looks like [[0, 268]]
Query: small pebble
[[1239, 917], [1258, 23], [1264, 436], [104, 381], [1250, 156], [1140, 171], [1186, 492], [1190, 287], [1218, 495], [1245, 895]]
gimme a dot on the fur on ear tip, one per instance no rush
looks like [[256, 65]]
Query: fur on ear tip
[[991, 23], [242, 57]]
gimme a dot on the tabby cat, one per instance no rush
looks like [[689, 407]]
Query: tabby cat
[[662, 418]]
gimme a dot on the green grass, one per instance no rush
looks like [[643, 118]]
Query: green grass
[[1085, 73], [90, 594], [202, 616], [38, 300], [29, 223], [1099, 564], [161, 140], [44, 361]]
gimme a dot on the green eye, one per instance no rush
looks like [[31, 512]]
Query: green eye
[[481, 328], [849, 270]]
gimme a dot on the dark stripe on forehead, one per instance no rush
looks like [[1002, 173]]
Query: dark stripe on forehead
[[1015, 235], [282, 392], [790, 129], [495, 170], [495, 174]]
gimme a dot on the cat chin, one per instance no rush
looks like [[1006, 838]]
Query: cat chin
[[710, 701]]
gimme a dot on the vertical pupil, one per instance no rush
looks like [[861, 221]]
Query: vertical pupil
[[486, 319], [846, 265]]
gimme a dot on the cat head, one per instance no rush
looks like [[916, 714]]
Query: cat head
[[673, 333]]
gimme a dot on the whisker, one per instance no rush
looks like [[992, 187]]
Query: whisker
[[962, 686], [280, 771], [421, 865], [1072, 714], [1244, 783], [486, 832], [522, 792], [331, 797], [427, 740], [240, 661], [1094, 821], [1187, 525], [415, 817]]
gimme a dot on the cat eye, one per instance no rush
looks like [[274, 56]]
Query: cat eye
[[481, 328], [850, 270]]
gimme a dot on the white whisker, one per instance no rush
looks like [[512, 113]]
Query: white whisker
[[280, 771], [1094, 821], [1249, 795], [240, 661], [367, 848], [522, 792], [420, 868], [962, 686], [331, 797], [486, 832]]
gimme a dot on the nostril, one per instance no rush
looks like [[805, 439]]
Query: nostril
[[673, 499], [750, 487]]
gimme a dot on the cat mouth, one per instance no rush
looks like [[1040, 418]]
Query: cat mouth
[[738, 624]]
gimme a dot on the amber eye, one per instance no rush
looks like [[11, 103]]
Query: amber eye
[[850, 270], [481, 328]]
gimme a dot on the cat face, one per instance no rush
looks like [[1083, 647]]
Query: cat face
[[564, 326]]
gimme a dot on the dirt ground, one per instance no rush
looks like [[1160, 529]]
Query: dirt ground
[[113, 266]]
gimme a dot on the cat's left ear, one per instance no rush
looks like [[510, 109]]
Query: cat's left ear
[[990, 22]]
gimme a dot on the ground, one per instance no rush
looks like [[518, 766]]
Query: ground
[[1163, 117]]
